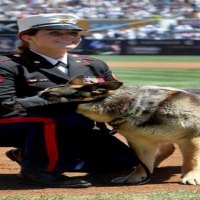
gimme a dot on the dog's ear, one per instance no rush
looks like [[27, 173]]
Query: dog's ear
[[64, 90], [108, 85], [58, 93], [79, 82], [111, 85]]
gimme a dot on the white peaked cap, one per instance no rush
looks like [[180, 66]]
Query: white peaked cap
[[49, 21]]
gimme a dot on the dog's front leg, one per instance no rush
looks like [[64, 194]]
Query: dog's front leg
[[164, 151], [146, 153], [190, 149]]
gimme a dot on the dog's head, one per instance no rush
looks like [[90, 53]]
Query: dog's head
[[78, 90]]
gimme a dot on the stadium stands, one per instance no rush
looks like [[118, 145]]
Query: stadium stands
[[171, 19], [96, 9]]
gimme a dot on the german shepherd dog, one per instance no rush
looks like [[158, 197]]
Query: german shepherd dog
[[147, 116]]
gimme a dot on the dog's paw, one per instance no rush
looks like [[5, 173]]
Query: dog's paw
[[191, 178]]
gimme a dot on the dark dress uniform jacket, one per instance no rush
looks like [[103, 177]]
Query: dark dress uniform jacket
[[23, 75]]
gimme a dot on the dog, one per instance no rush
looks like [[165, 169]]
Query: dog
[[147, 116]]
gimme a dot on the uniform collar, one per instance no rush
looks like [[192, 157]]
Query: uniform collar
[[53, 61], [76, 65]]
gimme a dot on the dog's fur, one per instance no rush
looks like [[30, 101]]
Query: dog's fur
[[148, 116]]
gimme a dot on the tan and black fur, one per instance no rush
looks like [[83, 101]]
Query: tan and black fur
[[149, 116]]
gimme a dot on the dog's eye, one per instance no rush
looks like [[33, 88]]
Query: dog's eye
[[102, 90], [99, 91]]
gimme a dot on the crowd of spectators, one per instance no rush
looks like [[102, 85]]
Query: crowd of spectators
[[152, 32], [98, 9], [117, 9]]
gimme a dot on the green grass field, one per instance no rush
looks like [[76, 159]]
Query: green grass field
[[133, 58], [179, 195], [180, 78], [171, 78]]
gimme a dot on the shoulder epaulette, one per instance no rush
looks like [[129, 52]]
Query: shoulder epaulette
[[90, 59], [10, 57], [14, 56]]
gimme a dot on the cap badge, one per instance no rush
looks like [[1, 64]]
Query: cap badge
[[64, 19]]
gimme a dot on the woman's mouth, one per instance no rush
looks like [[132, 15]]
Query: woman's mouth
[[66, 42]]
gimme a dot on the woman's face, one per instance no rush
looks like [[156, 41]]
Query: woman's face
[[51, 40]]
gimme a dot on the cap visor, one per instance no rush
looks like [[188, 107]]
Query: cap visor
[[59, 27]]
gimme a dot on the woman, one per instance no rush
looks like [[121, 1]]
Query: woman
[[76, 144]]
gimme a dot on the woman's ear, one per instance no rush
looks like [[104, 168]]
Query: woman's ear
[[26, 38]]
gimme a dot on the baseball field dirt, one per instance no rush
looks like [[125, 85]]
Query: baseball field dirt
[[165, 178]]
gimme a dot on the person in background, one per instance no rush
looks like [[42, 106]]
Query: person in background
[[73, 142]]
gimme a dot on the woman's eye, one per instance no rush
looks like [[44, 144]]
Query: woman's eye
[[73, 33], [60, 34], [55, 33]]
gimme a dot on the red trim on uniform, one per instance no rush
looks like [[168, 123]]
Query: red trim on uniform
[[100, 79], [49, 136], [1, 79]]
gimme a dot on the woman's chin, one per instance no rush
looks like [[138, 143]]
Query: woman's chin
[[69, 47]]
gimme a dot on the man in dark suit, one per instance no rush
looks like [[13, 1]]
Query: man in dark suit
[[52, 138]]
